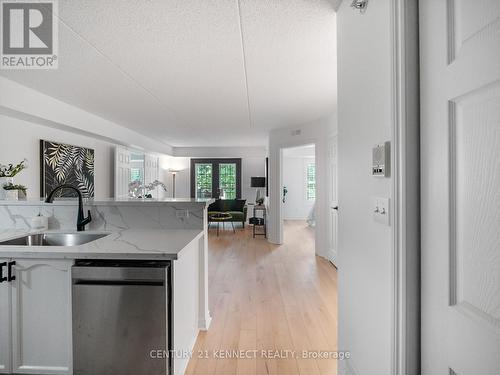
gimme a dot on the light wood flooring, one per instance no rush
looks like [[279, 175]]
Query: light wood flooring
[[271, 298]]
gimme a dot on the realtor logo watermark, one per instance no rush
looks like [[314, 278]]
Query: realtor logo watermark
[[29, 34]]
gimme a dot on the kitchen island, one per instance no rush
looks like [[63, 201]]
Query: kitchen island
[[36, 299]]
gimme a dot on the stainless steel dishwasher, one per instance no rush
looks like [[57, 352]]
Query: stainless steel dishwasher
[[120, 315]]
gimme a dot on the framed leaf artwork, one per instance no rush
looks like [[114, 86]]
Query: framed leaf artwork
[[66, 164]]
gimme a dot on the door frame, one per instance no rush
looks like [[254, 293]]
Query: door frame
[[405, 210], [215, 173], [333, 252], [281, 147]]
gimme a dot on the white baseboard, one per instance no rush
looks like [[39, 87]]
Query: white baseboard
[[181, 364], [204, 324], [349, 367]]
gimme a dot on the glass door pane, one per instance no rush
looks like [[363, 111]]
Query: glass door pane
[[203, 176], [227, 180], [137, 167]]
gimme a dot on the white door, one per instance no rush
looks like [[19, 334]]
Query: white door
[[41, 317], [299, 199], [332, 199], [151, 171], [5, 321], [460, 190], [122, 172]]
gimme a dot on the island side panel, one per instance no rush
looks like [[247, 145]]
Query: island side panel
[[204, 312], [186, 301]]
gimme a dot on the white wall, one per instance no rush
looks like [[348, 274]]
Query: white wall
[[364, 255], [24, 103], [36, 116], [181, 164], [317, 133], [296, 206], [20, 140], [220, 152], [26, 116]]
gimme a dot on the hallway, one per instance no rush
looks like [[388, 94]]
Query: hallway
[[268, 298]]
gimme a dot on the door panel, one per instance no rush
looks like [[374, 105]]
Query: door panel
[[460, 191], [122, 172], [41, 317], [5, 323], [151, 171], [203, 180], [475, 191], [227, 180], [299, 200]]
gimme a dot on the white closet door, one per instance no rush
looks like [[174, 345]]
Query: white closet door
[[460, 194], [151, 171], [122, 171]]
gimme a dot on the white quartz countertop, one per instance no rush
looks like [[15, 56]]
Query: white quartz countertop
[[156, 244], [107, 202]]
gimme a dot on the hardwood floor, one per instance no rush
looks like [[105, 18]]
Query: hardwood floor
[[269, 298]]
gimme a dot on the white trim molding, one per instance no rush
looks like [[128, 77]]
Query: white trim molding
[[315, 132], [405, 160]]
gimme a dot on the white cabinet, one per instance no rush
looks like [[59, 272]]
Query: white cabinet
[[37, 304], [5, 321]]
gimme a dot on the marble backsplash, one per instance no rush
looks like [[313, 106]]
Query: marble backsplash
[[108, 217]]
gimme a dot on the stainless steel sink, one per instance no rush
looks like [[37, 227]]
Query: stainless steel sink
[[54, 239]]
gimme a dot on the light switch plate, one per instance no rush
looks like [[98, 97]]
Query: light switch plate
[[381, 210]]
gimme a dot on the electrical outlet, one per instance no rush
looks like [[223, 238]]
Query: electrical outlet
[[381, 211], [182, 214]]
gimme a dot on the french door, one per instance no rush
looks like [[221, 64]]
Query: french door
[[216, 178]]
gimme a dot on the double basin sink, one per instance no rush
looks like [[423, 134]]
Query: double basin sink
[[54, 239]]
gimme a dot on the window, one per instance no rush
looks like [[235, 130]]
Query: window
[[203, 180], [216, 178], [137, 167], [311, 182], [135, 174], [227, 180]]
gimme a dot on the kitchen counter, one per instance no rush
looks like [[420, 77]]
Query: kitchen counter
[[172, 230], [126, 244], [106, 202]]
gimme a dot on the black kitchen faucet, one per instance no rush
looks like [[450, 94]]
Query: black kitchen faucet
[[81, 221]]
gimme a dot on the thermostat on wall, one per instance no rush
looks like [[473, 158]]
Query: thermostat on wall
[[381, 156]]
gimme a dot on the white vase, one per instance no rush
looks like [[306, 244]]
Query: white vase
[[11, 195], [4, 181]]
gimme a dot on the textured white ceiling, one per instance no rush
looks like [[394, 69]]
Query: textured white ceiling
[[175, 70]]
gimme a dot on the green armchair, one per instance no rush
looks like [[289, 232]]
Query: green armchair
[[236, 207]]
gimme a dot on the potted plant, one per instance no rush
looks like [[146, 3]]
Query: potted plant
[[15, 192], [7, 173]]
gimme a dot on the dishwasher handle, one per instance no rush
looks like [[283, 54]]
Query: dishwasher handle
[[111, 275], [77, 282]]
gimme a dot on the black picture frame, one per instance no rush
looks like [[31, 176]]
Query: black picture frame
[[61, 163]]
